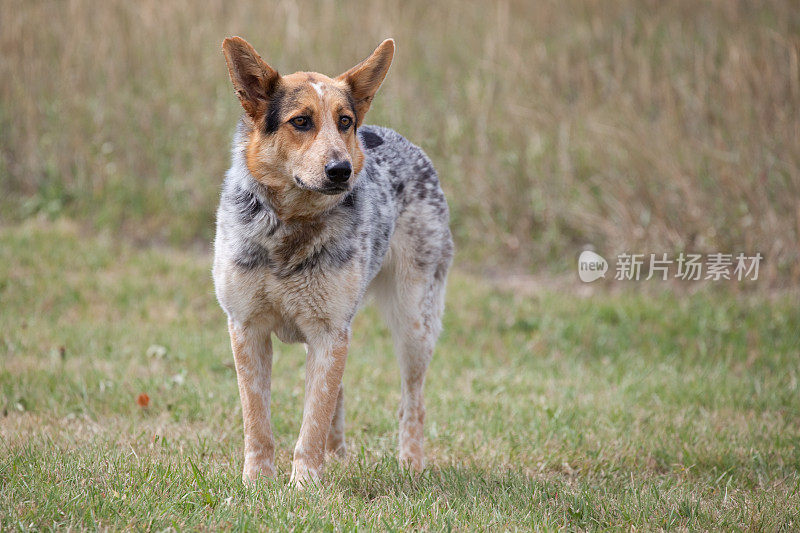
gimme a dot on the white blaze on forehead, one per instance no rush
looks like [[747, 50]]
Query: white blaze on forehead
[[318, 86]]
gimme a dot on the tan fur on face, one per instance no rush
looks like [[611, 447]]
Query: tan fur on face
[[277, 159], [291, 162]]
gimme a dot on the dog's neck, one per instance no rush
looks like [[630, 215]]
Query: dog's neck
[[276, 218], [295, 205], [291, 244]]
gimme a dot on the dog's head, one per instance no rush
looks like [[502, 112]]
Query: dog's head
[[303, 125]]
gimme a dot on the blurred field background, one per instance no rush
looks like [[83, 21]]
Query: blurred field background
[[630, 126]]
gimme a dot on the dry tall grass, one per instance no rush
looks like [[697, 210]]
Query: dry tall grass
[[634, 126]]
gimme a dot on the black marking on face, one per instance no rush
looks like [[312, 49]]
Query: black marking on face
[[398, 188], [275, 111], [252, 255], [370, 140], [352, 104]]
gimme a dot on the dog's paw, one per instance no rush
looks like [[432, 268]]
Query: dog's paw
[[412, 461], [256, 470], [337, 448], [303, 476]]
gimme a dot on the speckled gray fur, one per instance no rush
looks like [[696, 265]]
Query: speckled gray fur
[[395, 199]]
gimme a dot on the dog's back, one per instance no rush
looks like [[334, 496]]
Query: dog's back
[[399, 204]]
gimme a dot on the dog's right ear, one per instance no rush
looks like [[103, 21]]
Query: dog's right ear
[[253, 80], [365, 78]]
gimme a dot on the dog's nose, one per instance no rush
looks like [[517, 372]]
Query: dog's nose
[[338, 171]]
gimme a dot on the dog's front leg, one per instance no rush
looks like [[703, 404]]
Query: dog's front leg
[[252, 354], [324, 368]]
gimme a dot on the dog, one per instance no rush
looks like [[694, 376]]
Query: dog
[[317, 211]]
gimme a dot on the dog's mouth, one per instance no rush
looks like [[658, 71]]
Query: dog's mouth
[[330, 190]]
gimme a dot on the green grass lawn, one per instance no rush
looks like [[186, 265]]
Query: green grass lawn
[[624, 408]]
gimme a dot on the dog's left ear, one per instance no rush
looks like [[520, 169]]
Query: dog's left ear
[[365, 78], [253, 80]]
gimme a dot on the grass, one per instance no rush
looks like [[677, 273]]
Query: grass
[[620, 409], [635, 127]]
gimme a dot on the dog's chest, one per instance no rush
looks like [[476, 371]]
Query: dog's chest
[[309, 302], [297, 282]]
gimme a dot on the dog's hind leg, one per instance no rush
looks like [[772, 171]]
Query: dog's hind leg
[[412, 301], [335, 442]]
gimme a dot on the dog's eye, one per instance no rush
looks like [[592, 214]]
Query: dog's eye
[[344, 122], [301, 123]]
